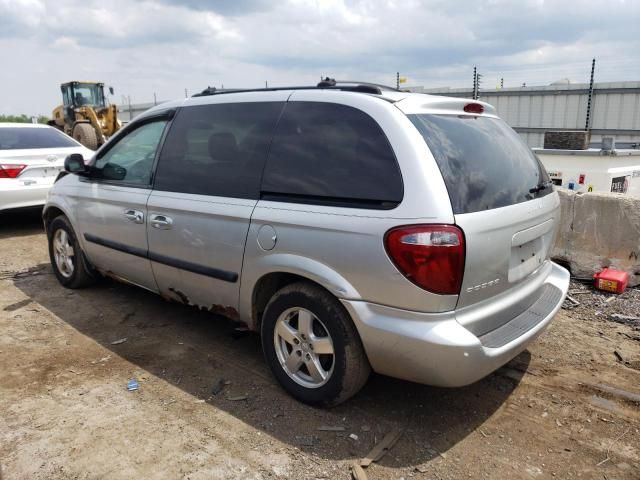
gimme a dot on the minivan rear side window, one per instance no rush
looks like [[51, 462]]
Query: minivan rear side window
[[331, 154], [218, 149], [484, 163]]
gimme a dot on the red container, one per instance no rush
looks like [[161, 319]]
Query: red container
[[611, 280]]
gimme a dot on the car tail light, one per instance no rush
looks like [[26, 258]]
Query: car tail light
[[10, 171], [473, 108], [431, 256]]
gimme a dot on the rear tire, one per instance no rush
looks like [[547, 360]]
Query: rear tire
[[322, 364], [86, 135], [67, 259]]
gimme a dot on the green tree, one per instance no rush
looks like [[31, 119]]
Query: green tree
[[22, 118]]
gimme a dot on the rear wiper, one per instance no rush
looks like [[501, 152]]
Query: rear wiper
[[540, 187]]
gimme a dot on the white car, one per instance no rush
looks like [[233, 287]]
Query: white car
[[31, 156]]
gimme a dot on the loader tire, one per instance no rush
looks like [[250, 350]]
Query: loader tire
[[86, 135]]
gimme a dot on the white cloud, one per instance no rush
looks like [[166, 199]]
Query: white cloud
[[23, 13], [64, 43], [165, 46]]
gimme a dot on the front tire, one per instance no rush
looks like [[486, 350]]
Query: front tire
[[67, 259], [86, 135], [312, 346]]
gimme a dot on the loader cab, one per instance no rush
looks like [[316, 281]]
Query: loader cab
[[82, 94]]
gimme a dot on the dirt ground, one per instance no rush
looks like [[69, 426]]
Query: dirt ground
[[563, 409]]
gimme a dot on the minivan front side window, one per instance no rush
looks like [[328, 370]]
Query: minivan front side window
[[131, 159]]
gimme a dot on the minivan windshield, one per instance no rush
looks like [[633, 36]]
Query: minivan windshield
[[484, 163]]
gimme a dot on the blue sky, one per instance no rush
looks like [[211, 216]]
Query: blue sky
[[165, 46]]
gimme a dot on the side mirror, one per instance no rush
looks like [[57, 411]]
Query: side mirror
[[74, 163], [111, 90]]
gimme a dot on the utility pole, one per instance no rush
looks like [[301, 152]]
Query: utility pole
[[593, 68], [475, 82], [185, 93], [155, 100]]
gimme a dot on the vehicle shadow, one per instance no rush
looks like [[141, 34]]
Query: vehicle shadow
[[22, 222], [194, 350]]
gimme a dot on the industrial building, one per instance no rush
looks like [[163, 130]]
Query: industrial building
[[129, 111], [531, 111]]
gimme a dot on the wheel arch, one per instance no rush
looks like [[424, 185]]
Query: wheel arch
[[50, 212], [266, 287], [54, 209], [277, 271]]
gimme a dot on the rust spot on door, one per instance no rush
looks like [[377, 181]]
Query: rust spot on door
[[181, 296], [225, 311]]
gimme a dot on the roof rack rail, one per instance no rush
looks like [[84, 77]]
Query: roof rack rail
[[368, 84], [206, 91], [326, 83]]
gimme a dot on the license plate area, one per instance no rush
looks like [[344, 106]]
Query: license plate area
[[40, 172], [525, 259]]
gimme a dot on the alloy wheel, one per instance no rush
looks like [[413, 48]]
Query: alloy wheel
[[63, 253], [304, 347]]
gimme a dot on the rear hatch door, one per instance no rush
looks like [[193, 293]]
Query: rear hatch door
[[502, 199]]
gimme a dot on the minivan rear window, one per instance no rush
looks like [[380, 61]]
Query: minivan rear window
[[484, 163], [331, 154]]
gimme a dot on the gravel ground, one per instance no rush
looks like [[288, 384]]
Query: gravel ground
[[596, 305], [566, 408]]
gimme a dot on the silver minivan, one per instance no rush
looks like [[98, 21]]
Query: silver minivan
[[355, 227]]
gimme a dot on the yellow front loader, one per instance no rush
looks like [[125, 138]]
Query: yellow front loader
[[85, 115]]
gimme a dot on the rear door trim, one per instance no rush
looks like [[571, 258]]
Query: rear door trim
[[121, 247], [223, 275]]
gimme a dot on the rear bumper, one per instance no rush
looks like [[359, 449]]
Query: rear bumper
[[436, 349], [15, 194]]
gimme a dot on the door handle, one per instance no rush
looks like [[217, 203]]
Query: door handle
[[135, 216], [161, 222]]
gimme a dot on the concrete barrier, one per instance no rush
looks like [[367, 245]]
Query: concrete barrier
[[599, 230]]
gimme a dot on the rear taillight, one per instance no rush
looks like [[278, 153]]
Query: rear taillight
[[10, 171], [431, 256]]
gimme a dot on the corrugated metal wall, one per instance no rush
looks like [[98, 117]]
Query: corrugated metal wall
[[532, 110]]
